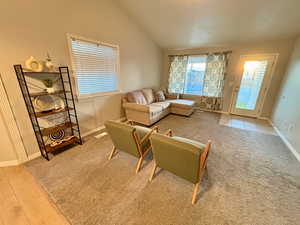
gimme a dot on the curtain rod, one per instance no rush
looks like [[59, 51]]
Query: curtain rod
[[207, 53]]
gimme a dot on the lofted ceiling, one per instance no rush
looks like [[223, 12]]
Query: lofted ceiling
[[196, 23]]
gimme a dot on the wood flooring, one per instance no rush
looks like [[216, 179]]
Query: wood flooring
[[24, 202]]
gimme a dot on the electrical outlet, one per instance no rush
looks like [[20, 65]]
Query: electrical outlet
[[291, 127]]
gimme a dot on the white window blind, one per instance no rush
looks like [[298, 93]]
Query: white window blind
[[96, 67]]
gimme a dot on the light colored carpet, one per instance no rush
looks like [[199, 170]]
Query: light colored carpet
[[252, 179]]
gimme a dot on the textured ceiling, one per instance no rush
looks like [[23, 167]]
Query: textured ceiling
[[196, 23]]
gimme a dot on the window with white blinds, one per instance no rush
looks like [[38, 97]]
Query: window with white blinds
[[95, 65]]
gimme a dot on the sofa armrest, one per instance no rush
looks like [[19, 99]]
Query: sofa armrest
[[136, 107]]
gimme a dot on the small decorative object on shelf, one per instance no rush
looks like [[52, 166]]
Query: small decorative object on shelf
[[32, 64], [49, 65], [45, 109], [49, 85]]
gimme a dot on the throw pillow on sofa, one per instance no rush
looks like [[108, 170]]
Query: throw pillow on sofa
[[160, 96]]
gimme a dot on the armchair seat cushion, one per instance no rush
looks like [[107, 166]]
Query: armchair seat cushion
[[189, 141]]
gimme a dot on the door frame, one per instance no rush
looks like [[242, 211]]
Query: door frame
[[237, 81]]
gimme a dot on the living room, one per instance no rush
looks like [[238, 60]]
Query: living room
[[198, 56]]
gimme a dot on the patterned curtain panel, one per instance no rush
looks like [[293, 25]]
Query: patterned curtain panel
[[210, 103], [215, 75], [178, 65]]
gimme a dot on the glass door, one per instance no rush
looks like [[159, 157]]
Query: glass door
[[252, 86]]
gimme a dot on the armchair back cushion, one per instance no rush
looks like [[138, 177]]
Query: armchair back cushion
[[122, 137], [136, 97], [176, 156]]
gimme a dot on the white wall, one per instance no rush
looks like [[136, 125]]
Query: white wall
[[35, 27], [286, 113]]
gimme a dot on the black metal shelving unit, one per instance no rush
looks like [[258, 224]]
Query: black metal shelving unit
[[67, 94]]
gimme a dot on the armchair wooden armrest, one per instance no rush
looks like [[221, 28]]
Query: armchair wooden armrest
[[169, 133], [204, 155], [146, 137]]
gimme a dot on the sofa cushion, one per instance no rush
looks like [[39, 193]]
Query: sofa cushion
[[148, 93], [181, 103], [155, 109], [136, 107], [160, 96], [164, 105], [136, 97]]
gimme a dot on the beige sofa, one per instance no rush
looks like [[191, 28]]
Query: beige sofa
[[141, 106]]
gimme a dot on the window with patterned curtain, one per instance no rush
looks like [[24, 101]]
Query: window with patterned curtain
[[201, 75], [178, 66], [215, 75]]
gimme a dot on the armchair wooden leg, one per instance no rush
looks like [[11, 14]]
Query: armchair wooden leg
[[153, 172], [139, 164], [112, 153], [196, 189]]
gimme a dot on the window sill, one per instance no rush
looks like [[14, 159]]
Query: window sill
[[98, 95], [196, 95]]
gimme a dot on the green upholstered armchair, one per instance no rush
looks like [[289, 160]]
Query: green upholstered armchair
[[183, 157], [129, 138]]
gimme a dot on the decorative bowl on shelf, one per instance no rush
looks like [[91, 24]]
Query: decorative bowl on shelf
[[46, 103]]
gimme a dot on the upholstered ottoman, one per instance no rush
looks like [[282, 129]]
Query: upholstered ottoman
[[182, 106]]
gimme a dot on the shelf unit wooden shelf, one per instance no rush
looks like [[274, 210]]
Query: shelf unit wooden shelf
[[63, 144], [42, 114], [50, 130], [69, 125], [39, 73], [36, 94]]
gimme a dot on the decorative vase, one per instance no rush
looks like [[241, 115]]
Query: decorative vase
[[49, 65], [50, 90]]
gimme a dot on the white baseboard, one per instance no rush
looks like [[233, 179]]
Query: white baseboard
[[215, 111], [92, 131], [122, 119], [34, 155], [100, 128], [9, 163], [286, 142], [19, 162]]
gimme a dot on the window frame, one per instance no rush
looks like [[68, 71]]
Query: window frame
[[184, 93], [71, 37], [186, 76]]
